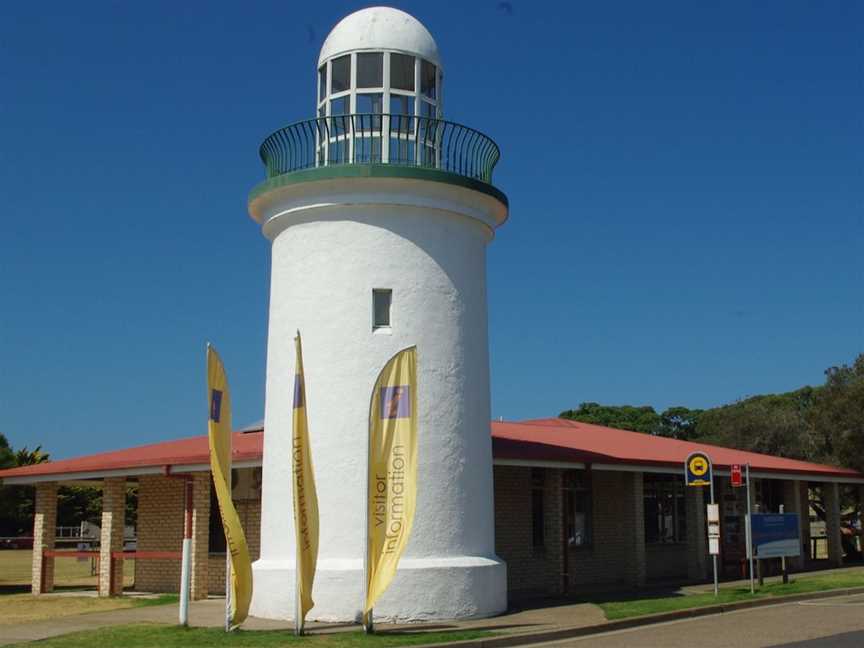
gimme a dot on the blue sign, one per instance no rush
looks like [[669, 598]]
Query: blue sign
[[775, 534], [697, 470]]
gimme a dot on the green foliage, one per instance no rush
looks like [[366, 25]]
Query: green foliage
[[624, 417], [837, 416], [7, 457], [675, 422], [26, 457], [823, 424]]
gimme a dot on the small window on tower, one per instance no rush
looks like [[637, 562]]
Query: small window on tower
[[381, 301]]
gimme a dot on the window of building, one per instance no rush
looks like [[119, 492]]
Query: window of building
[[577, 507], [538, 520], [215, 531], [370, 70], [340, 71], [322, 82], [401, 105], [427, 79], [381, 303], [665, 512], [402, 72]]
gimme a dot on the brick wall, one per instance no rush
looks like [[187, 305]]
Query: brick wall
[[614, 557], [160, 528], [249, 512], [531, 571]]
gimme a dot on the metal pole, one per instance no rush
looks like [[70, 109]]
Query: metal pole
[[749, 533], [186, 565], [227, 546], [368, 624], [783, 558], [298, 607], [714, 556]]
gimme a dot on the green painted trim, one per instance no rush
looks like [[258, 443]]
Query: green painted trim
[[375, 171]]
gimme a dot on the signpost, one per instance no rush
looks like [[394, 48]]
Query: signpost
[[775, 535], [698, 473], [736, 476]]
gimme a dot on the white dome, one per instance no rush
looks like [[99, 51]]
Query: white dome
[[380, 28]]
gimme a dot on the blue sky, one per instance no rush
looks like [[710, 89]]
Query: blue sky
[[685, 184]]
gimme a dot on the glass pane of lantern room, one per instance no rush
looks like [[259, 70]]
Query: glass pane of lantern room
[[322, 82], [370, 70], [402, 72], [427, 79], [340, 68]]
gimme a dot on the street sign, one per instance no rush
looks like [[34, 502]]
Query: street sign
[[775, 534], [697, 470], [737, 477], [714, 529]]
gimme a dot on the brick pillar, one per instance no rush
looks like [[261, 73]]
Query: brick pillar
[[831, 495], [555, 526], [697, 534], [200, 535], [792, 503], [44, 533], [804, 497], [635, 558], [111, 539]]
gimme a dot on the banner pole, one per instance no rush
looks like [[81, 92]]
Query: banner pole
[[227, 546], [368, 627], [749, 533]]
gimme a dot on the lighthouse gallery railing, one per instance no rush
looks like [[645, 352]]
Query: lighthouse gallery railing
[[380, 139]]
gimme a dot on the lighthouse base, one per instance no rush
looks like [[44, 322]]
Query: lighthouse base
[[423, 589]]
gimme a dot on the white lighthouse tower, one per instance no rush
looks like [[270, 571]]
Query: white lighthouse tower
[[379, 213]]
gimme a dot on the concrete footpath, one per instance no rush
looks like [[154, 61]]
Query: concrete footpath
[[543, 621]]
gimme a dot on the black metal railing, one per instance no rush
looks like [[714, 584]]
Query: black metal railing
[[380, 139]]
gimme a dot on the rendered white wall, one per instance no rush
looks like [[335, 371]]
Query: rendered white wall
[[332, 244]]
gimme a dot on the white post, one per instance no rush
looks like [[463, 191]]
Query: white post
[[749, 534], [714, 556], [186, 564], [185, 578]]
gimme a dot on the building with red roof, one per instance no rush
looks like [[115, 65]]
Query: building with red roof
[[576, 506]]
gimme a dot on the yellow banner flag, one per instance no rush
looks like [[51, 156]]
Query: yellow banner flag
[[219, 429], [305, 497], [392, 493]]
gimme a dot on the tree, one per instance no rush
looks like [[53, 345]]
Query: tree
[[26, 457], [623, 417], [679, 423], [837, 416], [7, 457]]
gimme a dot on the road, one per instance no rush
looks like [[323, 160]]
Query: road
[[827, 623]]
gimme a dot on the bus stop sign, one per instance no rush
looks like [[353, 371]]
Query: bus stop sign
[[697, 470]]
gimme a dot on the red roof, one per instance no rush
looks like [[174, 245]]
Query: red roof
[[610, 445], [541, 440]]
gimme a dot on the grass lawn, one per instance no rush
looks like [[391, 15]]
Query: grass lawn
[[165, 636], [15, 570], [625, 608], [24, 608]]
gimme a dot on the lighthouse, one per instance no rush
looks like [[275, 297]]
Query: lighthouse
[[379, 211]]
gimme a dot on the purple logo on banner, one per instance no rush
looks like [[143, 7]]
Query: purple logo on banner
[[395, 402], [215, 405], [298, 391]]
